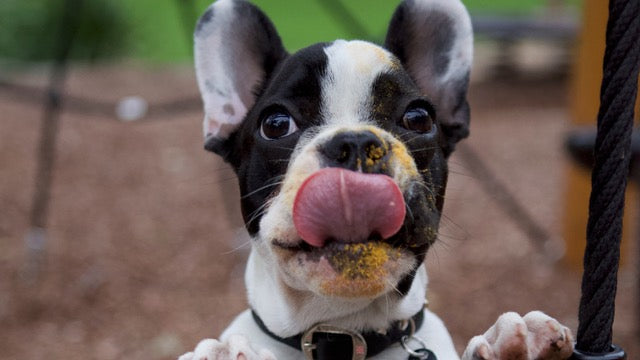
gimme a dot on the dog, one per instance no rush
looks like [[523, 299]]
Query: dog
[[341, 154]]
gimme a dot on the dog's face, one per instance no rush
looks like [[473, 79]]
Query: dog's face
[[340, 148]]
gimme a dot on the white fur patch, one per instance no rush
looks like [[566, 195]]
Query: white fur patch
[[352, 68]]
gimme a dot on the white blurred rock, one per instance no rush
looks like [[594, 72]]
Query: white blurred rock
[[131, 108]]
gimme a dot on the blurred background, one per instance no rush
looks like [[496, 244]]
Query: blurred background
[[120, 238]]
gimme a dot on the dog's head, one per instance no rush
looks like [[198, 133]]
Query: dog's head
[[341, 147]]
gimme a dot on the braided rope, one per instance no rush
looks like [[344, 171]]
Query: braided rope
[[612, 156]]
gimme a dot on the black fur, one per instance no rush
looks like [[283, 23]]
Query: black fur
[[411, 34], [295, 87]]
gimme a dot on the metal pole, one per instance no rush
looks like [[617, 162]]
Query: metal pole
[[36, 239]]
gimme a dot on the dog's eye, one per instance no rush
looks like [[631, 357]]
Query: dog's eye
[[418, 120], [277, 125]]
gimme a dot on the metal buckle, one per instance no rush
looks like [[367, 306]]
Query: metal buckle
[[359, 344], [420, 353], [408, 322]]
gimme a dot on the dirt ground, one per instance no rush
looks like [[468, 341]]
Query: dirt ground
[[145, 250]]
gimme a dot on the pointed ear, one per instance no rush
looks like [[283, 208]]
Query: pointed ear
[[236, 50], [434, 41]]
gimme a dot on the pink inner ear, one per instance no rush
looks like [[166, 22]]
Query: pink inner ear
[[224, 115]]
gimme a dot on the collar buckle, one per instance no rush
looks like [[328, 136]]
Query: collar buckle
[[358, 342]]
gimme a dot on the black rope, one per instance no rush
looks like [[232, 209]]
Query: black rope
[[612, 155]]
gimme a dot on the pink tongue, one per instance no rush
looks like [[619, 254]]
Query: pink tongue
[[347, 206]]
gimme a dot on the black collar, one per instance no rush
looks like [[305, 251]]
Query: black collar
[[328, 342]]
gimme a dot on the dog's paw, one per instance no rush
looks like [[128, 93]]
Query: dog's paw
[[534, 336], [235, 348]]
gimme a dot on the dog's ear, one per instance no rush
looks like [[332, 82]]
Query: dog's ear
[[236, 50], [434, 41]]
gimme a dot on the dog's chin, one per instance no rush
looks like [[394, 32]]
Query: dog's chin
[[353, 270]]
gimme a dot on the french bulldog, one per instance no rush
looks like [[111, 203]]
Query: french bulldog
[[341, 153]]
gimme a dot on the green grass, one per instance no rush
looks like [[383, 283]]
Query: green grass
[[300, 23], [159, 34], [155, 31]]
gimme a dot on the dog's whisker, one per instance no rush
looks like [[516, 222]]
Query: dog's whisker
[[468, 175], [456, 163], [413, 137], [260, 189], [257, 213], [394, 288], [284, 148], [434, 251], [451, 222], [426, 187], [238, 248], [443, 242], [409, 212], [253, 218], [456, 226], [280, 160], [264, 187], [442, 237], [386, 308], [423, 149], [256, 216], [446, 238]]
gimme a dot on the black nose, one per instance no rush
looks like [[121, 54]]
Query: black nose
[[358, 151]]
